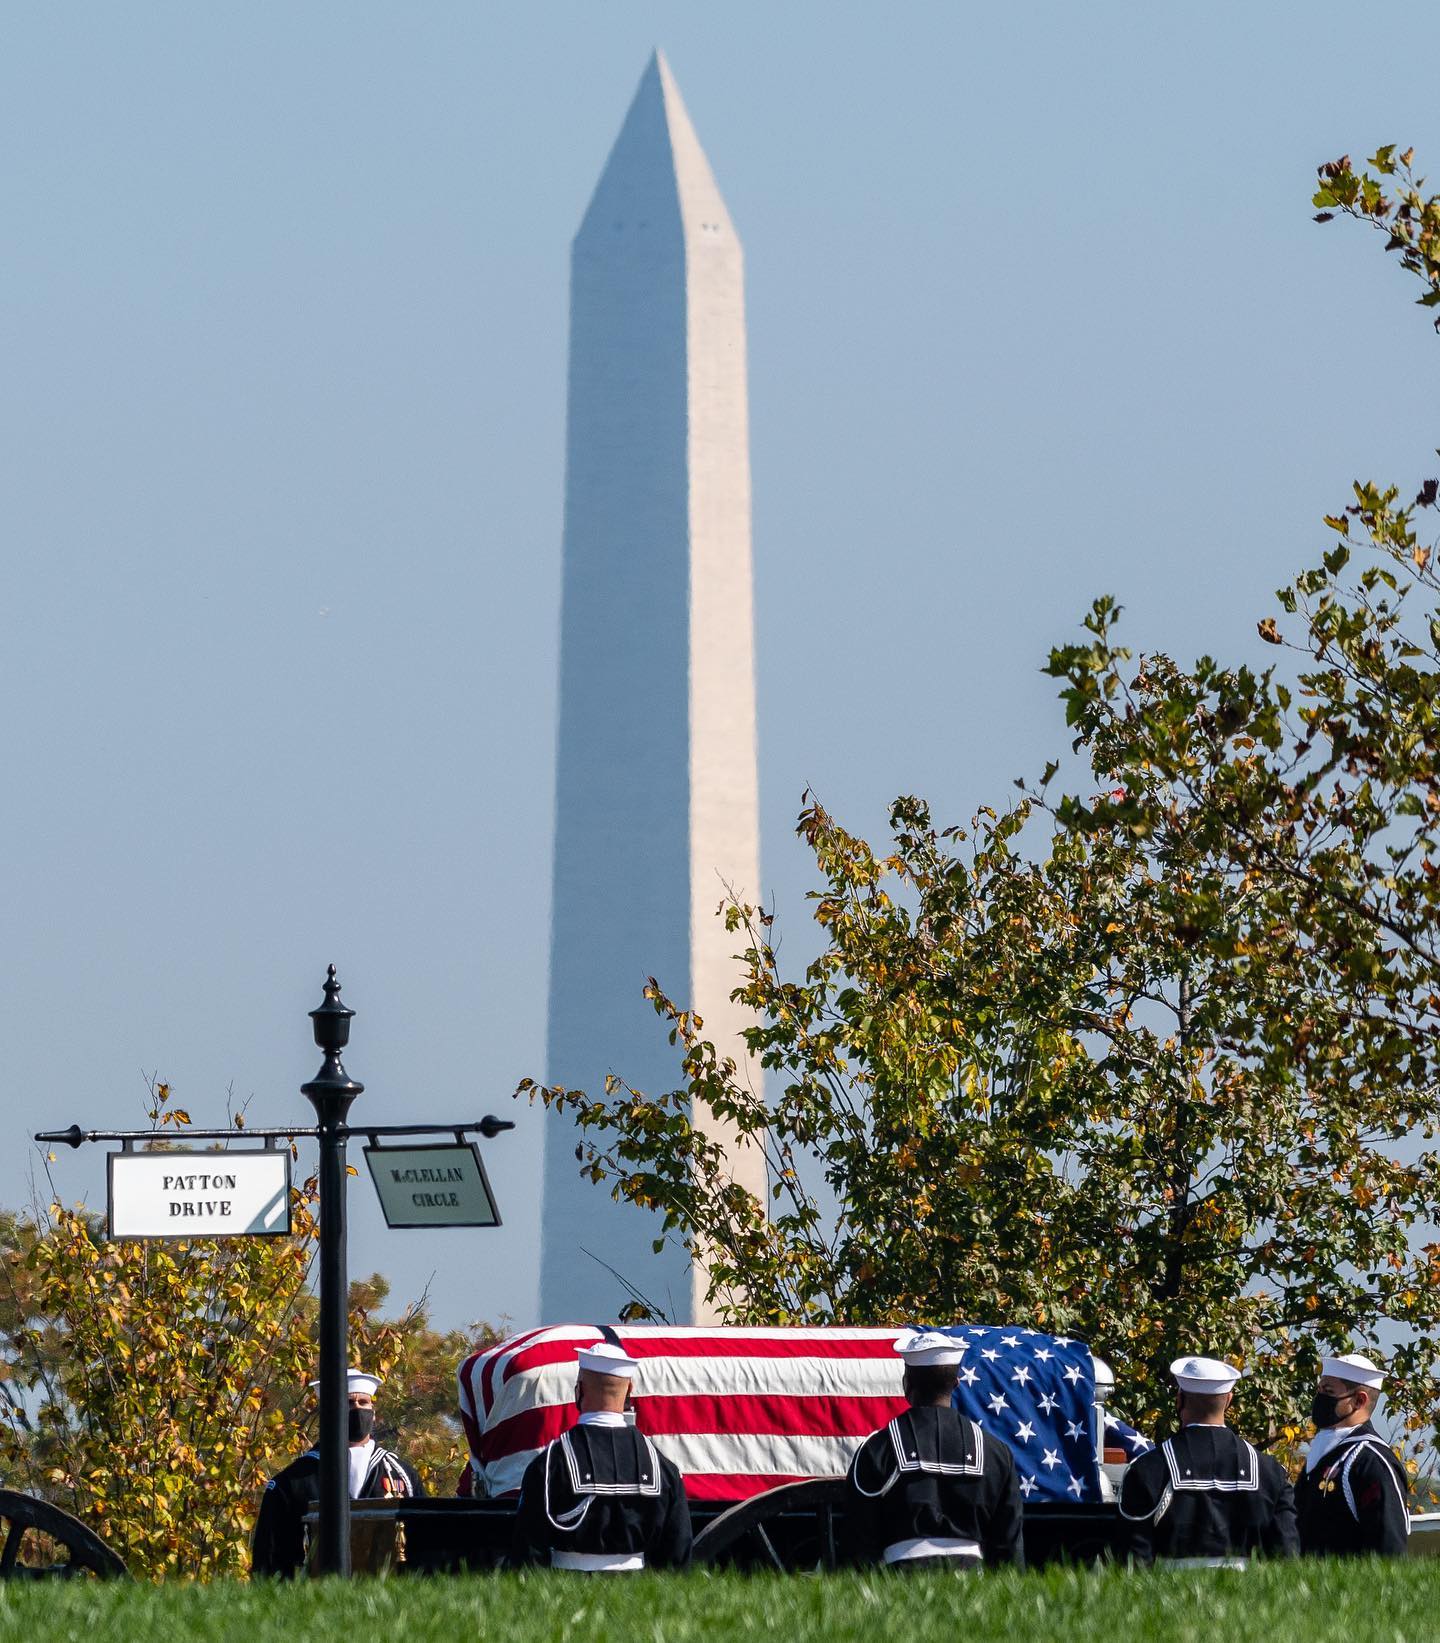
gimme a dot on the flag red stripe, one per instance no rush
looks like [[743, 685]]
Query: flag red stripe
[[467, 1387], [766, 1415], [531, 1429], [733, 1486], [542, 1355], [474, 1436], [487, 1377]]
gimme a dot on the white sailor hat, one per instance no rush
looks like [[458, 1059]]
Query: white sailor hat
[[1358, 1370], [604, 1359], [922, 1348], [1204, 1374], [357, 1381]]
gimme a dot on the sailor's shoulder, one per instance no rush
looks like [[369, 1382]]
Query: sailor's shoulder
[[300, 1467], [998, 1457], [1272, 1473], [640, 1446], [1368, 1452], [669, 1471], [1153, 1460], [879, 1441], [1151, 1466], [875, 1455], [535, 1466], [300, 1478]]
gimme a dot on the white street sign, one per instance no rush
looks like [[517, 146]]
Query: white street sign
[[435, 1186], [199, 1194]]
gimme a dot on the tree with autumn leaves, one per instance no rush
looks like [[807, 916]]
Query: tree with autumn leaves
[[1152, 1060]]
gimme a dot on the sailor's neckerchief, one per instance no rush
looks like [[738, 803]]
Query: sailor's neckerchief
[[361, 1457]]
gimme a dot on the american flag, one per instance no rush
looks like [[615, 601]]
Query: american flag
[[1038, 1393], [1120, 1436], [744, 1410]]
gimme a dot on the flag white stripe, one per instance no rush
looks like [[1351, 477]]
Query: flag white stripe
[[696, 1453]]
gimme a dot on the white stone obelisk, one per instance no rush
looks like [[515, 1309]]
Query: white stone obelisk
[[656, 789]]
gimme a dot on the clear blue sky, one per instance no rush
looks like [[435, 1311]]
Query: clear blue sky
[[1036, 311]]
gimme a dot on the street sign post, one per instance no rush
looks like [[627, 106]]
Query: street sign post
[[174, 1194], [442, 1185], [224, 1194]]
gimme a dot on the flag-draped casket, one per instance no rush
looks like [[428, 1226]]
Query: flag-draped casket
[[740, 1411]]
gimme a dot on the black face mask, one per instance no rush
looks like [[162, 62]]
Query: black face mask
[[362, 1424], [1325, 1410]]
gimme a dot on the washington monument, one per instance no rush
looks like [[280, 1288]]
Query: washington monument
[[656, 801]]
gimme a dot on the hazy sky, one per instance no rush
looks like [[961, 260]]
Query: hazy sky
[[1036, 310]]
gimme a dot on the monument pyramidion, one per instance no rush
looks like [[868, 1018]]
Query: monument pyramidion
[[656, 789]]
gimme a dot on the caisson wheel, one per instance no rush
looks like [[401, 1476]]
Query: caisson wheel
[[42, 1530], [793, 1527]]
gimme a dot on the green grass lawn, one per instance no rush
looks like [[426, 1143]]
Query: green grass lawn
[[1377, 1603]]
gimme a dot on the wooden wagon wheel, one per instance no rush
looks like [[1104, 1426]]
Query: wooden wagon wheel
[[792, 1527], [89, 1555]]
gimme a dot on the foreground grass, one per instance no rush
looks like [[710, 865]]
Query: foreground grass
[[1378, 1603]]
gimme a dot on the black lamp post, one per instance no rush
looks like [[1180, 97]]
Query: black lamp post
[[331, 1092]]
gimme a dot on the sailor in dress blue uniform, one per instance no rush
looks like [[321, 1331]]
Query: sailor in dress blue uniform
[[1206, 1498], [279, 1544], [1353, 1497], [601, 1498], [932, 1489]]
